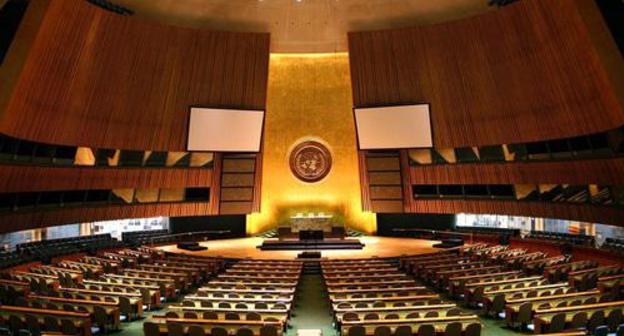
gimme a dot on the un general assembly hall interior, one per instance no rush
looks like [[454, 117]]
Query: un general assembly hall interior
[[311, 167]]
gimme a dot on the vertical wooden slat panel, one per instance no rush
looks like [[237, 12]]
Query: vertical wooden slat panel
[[527, 72], [97, 79]]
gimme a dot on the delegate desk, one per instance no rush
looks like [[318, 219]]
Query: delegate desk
[[543, 317], [439, 323], [82, 320]]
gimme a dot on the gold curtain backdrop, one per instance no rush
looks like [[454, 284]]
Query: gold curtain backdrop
[[309, 98]]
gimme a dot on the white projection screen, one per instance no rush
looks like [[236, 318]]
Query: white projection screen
[[223, 130], [393, 127]]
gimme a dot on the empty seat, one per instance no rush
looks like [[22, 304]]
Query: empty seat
[[15, 323], [210, 316], [601, 331], [232, 316], [595, 320], [68, 327], [350, 316], [100, 317], [356, 331], [557, 323], [382, 331], [453, 312], [453, 329], [426, 330], [268, 330], [190, 315], [392, 317], [614, 319], [371, 316], [473, 329], [151, 329], [218, 331], [32, 323], [403, 330], [51, 323], [175, 329], [196, 331], [579, 320], [432, 314], [244, 332], [253, 316]]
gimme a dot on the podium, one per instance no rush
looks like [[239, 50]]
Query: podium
[[311, 235]]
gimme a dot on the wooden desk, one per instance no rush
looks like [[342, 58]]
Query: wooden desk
[[384, 299], [513, 307], [542, 317], [273, 278], [355, 276], [379, 290], [250, 300], [361, 271], [231, 326], [458, 284], [439, 323], [232, 289], [440, 307], [406, 281], [232, 310], [111, 308], [253, 283], [83, 318]]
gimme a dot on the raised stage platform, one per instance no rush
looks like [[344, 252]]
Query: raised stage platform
[[373, 247], [323, 244]]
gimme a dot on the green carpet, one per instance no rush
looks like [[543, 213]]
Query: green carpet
[[312, 310]]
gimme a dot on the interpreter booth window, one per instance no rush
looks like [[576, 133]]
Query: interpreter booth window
[[116, 227]]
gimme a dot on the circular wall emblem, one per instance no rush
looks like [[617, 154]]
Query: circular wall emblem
[[310, 161]]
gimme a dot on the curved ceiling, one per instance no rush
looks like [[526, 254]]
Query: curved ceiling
[[306, 26]]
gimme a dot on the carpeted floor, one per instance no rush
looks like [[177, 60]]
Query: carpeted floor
[[312, 309]]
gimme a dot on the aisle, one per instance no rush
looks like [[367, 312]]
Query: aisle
[[312, 309]]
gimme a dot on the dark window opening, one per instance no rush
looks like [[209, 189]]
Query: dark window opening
[[425, 191], [451, 190], [197, 194], [502, 191], [10, 17]]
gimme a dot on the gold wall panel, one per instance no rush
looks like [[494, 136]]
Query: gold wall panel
[[309, 98]]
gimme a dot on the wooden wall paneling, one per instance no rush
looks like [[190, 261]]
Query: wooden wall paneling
[[580, 212], [597, 171], [238, 177], [16, 56], [37, 178], [364, 182], [387, 206], [215, 189], [257, 183], [114, 81], [527, 72], [606, 48], [386, 194], [406, 182], [24, 221]]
